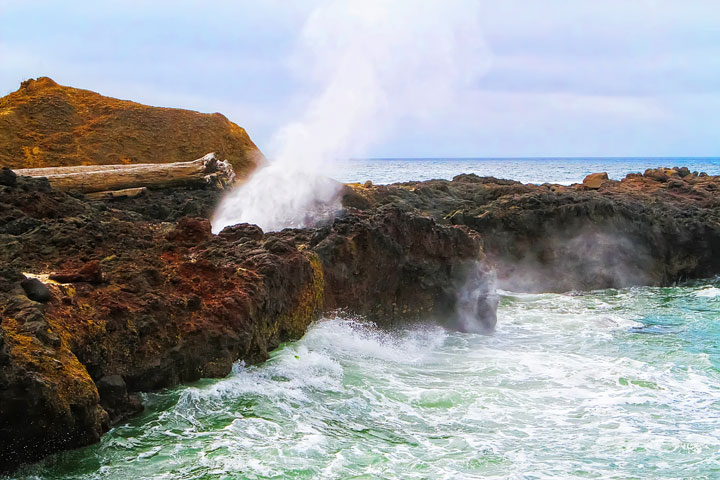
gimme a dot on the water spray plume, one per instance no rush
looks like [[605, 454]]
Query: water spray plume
[[373, 63]]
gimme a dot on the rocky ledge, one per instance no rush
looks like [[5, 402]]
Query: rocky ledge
[[655, 228], [102, 299]]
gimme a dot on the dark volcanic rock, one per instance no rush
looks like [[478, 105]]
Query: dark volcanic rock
[[177, 303], [652, 229], [392, 265], [242, 231], [115, 399], [148, 297], [7, 177], [36, 290]]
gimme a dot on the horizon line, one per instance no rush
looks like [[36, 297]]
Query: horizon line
[[615, 157]]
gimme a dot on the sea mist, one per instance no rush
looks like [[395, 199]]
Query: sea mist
[[373, 66]]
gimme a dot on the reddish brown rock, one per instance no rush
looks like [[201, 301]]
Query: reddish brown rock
[[90, 272], [190, 231], [659, 174], [595, 180]]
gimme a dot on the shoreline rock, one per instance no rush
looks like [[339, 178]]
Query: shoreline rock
[[144, 297], [656, 228], [154, 299]]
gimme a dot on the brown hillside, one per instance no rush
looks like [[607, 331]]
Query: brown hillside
[[44, 124]]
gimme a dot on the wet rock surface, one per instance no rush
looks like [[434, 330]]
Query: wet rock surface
[[143, 296], [36, 290], [655, 228]]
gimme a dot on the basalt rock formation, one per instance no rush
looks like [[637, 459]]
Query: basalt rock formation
[[101, 299], [392, 266], [44, 124], [655, 228]]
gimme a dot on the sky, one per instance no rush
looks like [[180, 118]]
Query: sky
[[515, 78]]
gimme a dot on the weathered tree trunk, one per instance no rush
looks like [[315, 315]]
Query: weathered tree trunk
[[204, 171]]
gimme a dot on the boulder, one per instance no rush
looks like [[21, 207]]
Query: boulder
[[112, 389], [7, 177], [595, 180], [248, 231], [36, 290], [658, 174], [190, 231]]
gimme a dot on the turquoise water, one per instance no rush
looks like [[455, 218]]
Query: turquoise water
[[608, 384], [527, 170]]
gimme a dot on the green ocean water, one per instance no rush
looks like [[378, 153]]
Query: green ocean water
[[608, 384]]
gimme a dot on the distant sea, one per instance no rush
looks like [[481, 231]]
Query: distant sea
[[527, 170]]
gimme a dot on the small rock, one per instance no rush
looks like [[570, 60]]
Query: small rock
[[656, 174], [368, 184], [112, 390], [278, 246], [42, 331], [193, 302], [36, 290], [595, 180], [241, 230], [7, 177], [24, 310], [190, 231]]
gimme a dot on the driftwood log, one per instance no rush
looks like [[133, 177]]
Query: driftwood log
[[205, 171]]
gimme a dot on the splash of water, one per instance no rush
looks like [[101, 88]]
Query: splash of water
[[374, 63], [477, 301], [570, 386]]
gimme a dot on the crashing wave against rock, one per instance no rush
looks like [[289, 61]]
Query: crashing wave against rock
[[145, 296], [141, 295]]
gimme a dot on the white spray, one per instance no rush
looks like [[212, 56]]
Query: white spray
[[377, 63]]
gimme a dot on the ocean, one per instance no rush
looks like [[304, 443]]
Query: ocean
[[564, 171], [610, 384]]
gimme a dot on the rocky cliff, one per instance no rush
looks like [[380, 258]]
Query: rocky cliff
[[102, 299], [44, 124]]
